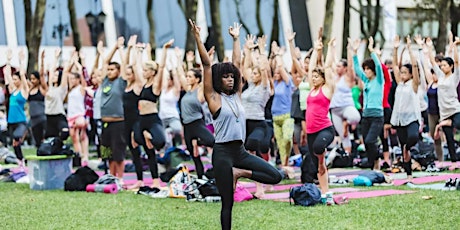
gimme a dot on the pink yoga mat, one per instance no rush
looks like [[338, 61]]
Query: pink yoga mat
[[428, 179], [373, 193], [104, 188], [285, 195], [279, 187]]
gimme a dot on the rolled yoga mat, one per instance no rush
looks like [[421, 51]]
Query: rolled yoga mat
[[105, 188]]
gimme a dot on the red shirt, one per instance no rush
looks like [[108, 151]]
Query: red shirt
[[386, 86], [88, 99]]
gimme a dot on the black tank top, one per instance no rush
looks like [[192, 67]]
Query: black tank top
[[36, 97], [147, 94], [130, 107]]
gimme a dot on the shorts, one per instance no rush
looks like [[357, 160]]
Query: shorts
[[113, 137]]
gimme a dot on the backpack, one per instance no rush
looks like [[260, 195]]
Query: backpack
[[307, 194], [50, 146], [80, 179], [423, 153]]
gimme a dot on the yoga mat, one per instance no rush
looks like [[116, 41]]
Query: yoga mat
[[285, 195], [440, 186], [373, 193], [425, 180], [147, 181], [280, 187], [104, 188], [354, 172]]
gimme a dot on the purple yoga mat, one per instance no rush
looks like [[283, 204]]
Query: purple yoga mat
[[428, 179], [374, 193]]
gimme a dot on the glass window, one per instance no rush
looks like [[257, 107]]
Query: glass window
[[3, 40], [20, 18]]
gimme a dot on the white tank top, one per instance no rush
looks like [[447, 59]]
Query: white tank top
[[342, 95], [75, 102], [168, 105]]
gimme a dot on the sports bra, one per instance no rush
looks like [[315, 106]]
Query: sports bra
[[147, 94]]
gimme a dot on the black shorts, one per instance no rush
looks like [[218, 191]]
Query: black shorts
[[113, 137]]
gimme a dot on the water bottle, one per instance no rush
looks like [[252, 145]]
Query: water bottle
[[212, 199], [329, 199]]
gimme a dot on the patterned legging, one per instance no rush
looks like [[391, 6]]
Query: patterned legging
[[284, 129]]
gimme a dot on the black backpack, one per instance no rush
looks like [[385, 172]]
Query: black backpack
[[305, 195], [80, 179], [50, 146], [423, 153]]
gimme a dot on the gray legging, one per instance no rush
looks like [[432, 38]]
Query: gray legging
[[349, 114], [232, 154]]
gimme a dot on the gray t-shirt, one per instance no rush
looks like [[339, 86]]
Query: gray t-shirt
[[190, 107], [112, 97], [230, 124], [254, 99]]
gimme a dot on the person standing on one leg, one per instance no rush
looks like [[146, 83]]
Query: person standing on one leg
[[222, 90]]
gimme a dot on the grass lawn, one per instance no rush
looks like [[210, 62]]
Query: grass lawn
[[22, 208]]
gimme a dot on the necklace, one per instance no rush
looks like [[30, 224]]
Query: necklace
[[237, 112]]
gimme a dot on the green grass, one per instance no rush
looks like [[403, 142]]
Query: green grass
[[22, 208]]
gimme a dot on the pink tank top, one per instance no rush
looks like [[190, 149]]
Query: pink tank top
[[317, 114]]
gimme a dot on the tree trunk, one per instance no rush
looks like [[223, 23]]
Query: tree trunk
[[442, 29], [152, 27], [327, 24], [276, 27], [259, 20], [34, 25], [346, 28], [455, 17], [74, 25], [190, 13], [217, 28], [240, 19]]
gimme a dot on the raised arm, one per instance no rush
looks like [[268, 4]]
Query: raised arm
[[358, 68], [43, 85], [455, 53], [247, 61], [280, 67], [318, 47], [7, 70], [328, 66], [297, 67], [109, 57], [396, 44], [211, 96], [263, 62], [413, 61], [180, 69], [22, 74], [376, 59], [99, 50], [161, 68], [234, 31], [350, 70], [123, 64]]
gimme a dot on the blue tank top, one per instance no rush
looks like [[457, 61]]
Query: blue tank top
[[16, 111], [432, 94]]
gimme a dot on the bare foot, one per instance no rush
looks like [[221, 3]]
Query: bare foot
[[237, 173], [148, 137], [259, 194], [135, 186], [269, 187], [436, 132]]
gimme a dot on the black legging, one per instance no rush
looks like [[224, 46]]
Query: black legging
[[449, 132], [257, 136], [152, 124], [408, 137], [57, 126], [371, 127], [38, 132], [132, 126], [197, 130], [232, 154]]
